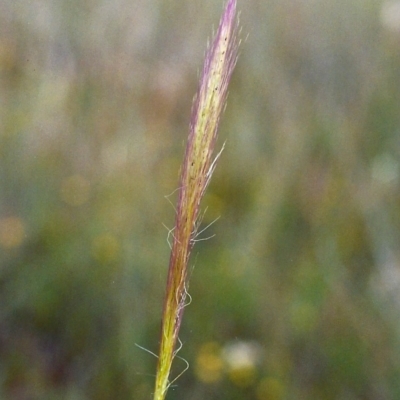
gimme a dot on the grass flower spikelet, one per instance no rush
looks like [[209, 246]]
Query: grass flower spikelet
[[197, 168]]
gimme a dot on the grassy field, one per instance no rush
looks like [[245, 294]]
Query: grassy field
[[297, 294]]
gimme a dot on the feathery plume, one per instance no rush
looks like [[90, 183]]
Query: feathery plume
[[197, 168]]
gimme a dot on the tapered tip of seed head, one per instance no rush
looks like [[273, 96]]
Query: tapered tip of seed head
[[221, 57], [229, 14], [230, 9], [229, 30]]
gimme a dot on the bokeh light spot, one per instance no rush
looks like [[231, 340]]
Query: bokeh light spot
[[241, 359], [209, 364], [390, 16], [385, 169], [243, 376]]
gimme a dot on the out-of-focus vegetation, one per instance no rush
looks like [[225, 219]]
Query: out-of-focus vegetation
[[297, 295]]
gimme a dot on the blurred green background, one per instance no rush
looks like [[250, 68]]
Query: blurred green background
[[297, 295]]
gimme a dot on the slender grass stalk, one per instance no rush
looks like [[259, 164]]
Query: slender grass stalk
[[197, 168]]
